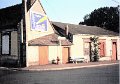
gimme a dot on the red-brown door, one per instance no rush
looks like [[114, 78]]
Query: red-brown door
[[114, 51], [43, 55], [65, 54], [102, 48]]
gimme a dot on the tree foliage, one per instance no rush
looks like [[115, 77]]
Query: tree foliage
[[106, 17], [94, 48]]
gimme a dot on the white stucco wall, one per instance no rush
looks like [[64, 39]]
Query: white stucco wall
[[32, 34], [53, 53], [32, 51], [14, 43], [33, 58], [108, 47], [77, 47], [118, 48]]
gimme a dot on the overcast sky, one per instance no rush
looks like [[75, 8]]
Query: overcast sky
[[68, 11]]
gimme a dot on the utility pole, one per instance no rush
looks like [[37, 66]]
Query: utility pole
[[23, 31], [24, 3], [119, 34], [119, 18]]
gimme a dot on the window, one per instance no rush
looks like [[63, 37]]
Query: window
[[5, 43]]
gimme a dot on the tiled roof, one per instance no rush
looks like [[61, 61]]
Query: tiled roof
[[82, 29], [10, 15], [48, 40]]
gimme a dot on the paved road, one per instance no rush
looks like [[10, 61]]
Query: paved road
[[96, 75]]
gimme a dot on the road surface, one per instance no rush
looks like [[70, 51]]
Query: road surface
[[96, 75]]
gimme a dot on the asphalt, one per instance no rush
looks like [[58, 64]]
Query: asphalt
[[64, 66]]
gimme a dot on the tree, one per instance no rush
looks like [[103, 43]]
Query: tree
[[94, 48], [106, 17]]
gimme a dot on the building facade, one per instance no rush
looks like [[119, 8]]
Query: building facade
[[80, 36], [28, 38]]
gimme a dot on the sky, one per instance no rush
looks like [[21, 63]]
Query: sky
[[67, 11]]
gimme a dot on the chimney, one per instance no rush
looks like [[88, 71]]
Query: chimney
[[66, 30], [29, 3]]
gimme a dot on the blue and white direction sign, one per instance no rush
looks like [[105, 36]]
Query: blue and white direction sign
[[38, 22]]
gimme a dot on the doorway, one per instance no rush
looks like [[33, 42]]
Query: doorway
[[114, 50], [65, 55], [43, 55], [102, 49]]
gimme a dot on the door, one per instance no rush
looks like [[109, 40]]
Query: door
[[102, 49], [65, 55], [43, 57], [114, 51]]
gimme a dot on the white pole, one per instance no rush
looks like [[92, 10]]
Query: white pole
[[60, 47], [119, 34], [60, 51]]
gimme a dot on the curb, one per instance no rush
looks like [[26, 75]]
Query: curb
[[10, 69], [68, 68], [4, 68]]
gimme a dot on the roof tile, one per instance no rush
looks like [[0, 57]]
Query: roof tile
[[48, 40], [82, 29]]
